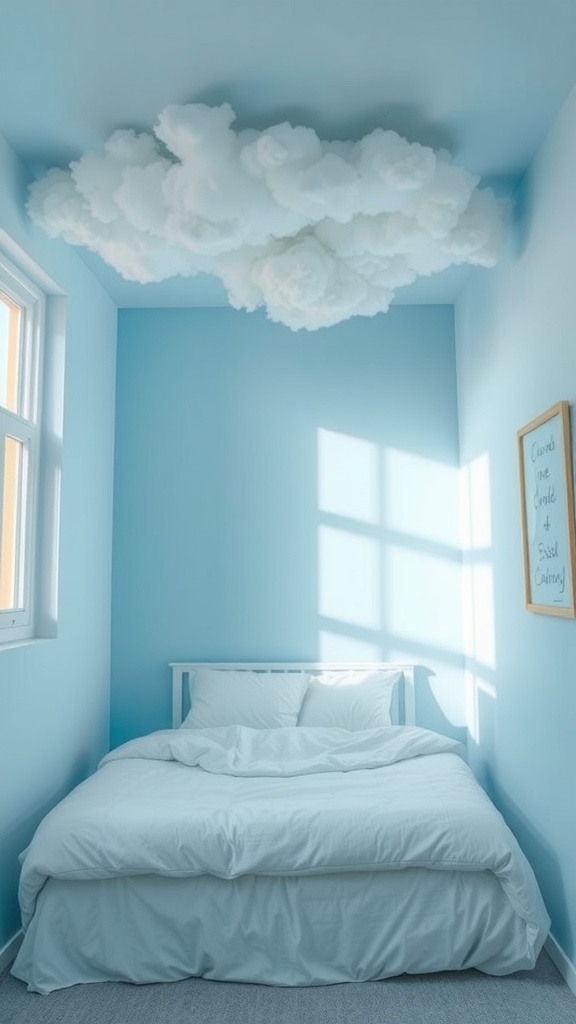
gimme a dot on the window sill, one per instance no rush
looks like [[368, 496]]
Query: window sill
[[10, 645]]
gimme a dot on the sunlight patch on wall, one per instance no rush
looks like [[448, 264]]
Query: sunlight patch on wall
[[478, 590], [422, 598], [420, 496], [475, 686], [476, 518], [478, 605], [340, 647], [348, 577], [348, 477], [390, 570]]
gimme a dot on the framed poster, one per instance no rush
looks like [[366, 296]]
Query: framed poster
[[547, 506]]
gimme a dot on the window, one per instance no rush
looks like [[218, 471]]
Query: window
[[21, 350]]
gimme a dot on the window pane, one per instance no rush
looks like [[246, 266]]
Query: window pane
[[10, 352], [12, 538]]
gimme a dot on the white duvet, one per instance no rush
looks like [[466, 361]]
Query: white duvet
[[294, 801]]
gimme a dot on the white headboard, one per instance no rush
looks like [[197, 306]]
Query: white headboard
[[181, 672]]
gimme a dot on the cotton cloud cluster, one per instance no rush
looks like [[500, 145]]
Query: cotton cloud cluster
[[314, 231]]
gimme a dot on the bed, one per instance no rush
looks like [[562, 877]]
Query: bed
[[294, 827]]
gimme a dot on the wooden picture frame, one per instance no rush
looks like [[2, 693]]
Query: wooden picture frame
[[547, 508]]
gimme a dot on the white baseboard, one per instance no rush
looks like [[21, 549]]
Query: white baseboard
[[8, 952], [564, 965]]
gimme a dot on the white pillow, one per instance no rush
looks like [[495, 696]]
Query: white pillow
[[261, 700], [350, 700]]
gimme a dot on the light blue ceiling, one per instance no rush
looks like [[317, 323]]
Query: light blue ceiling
[[482, 78]]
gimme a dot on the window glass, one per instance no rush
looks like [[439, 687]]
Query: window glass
[[10, 353], [21, 350], [13, 520]]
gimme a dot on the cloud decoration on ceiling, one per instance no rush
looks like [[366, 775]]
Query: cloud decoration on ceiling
[[314, 231]]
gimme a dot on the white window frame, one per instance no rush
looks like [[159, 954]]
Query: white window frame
[[20, 623]]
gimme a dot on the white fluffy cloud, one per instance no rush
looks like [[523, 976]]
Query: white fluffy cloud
[[314, 231]]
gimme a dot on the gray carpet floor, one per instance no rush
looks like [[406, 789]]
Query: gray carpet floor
[[535, 997]]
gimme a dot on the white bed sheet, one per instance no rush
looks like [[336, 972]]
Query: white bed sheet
[[306, 930]]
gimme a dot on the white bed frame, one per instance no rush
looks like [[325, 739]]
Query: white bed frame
[[183, 670]]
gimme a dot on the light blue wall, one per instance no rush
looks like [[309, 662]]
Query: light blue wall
[[54, 695], [516, 344], [224, 546]]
